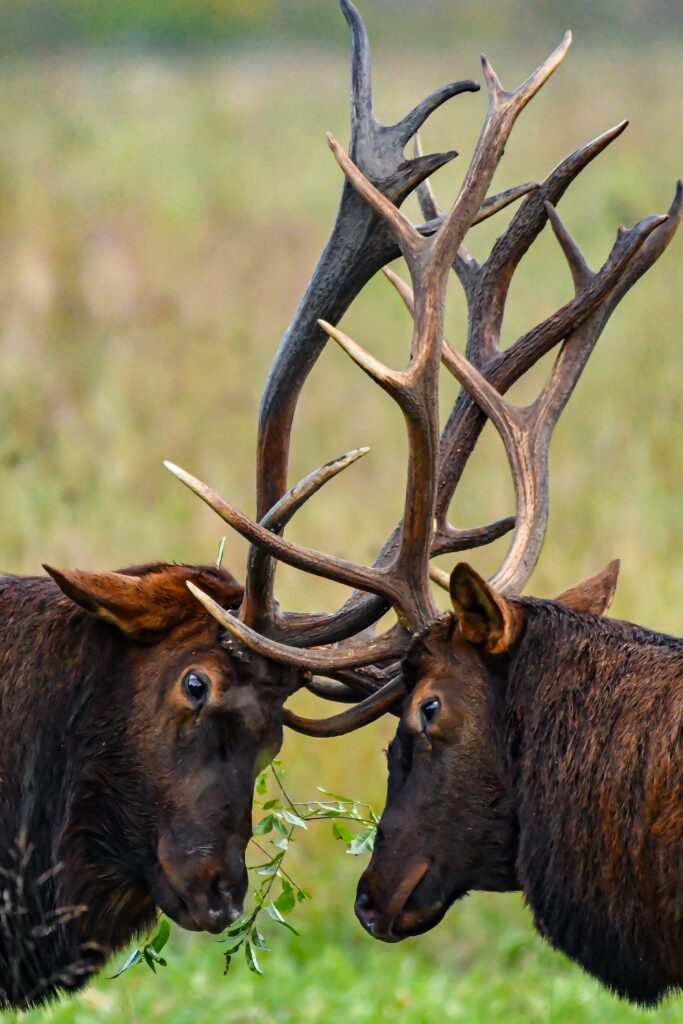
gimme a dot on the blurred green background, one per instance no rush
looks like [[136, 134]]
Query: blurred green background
[[165, 191]]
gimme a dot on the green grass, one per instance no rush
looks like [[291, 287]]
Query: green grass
[[159, 221]]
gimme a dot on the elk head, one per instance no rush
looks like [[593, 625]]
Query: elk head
[[161, 811], [450, 822]]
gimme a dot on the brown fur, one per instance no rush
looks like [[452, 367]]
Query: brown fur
[[117, 793], [552, 762]]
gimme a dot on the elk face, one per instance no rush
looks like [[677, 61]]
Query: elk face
[[163, 815], [449, 821], [208, 735]]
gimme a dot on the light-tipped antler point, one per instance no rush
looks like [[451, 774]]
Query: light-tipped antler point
[[181, 474]]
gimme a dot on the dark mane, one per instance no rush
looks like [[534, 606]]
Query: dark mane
[[595, 733]]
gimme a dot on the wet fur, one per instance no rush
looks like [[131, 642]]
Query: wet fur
[[595, 748], [75, 821]]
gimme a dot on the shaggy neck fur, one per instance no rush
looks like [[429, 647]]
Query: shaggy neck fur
[[58, 760], [595, 741]]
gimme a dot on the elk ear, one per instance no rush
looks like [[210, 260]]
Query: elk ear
[[484, 616], [595, 593], [127, 602]]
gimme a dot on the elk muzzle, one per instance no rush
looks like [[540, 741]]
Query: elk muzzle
[[390, 915], [198, 889]]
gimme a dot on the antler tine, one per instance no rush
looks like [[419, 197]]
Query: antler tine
[[581, 273], [316, 562], [441, 578], [526, 433], [390, 645], [362, 714], [332, 689], [413, 121], [259, 561], [406, 236], [504, 108], [282, 511], [359, 245]]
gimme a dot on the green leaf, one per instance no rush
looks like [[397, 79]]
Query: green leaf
[[293, 819], [340, 831], [277, 916], [261, 783], [282, 842], [237, 929], [134, 958], [257, 940], [335, 796], [163, 932], [286, 901], [233, 949], [364, 841], [281, 827], [265, 825], [149, 960], [269, 804], [302, 895], [268, 870], [252, 962]]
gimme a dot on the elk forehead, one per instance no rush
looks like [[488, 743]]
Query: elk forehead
[[455, 674]]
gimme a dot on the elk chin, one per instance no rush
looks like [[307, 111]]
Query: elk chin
[[416, 905], [206, 899], [170, 902], [425, 907]]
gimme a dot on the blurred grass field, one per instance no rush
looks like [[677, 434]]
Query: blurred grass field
[[159, 219]]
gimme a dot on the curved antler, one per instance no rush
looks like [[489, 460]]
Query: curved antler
[[359, 245], [526, 432], [404, 579], [370, 228]]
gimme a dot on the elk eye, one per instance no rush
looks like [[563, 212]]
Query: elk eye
[[196, 687], [429, 711]]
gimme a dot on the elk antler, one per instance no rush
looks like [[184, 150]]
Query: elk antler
[[402, 580], [358, 247], [400, 575]]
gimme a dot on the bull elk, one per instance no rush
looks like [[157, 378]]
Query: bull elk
[[539, 746], [133, 725]]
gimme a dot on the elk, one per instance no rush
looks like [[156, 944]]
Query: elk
[[488, 799], [133, 725], [540, 748]]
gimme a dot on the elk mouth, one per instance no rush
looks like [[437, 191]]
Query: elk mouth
[[195, 916], [423, 910], [171, 902], [417, 904]]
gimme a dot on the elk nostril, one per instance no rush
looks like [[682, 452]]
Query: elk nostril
[[221, 888], [224, 901], [365, 911], [364, 900]]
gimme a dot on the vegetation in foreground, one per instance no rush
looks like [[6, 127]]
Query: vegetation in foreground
[[159, 222]]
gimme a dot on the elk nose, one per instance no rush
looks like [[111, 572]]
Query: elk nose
[[225, 903], [365, 910]]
